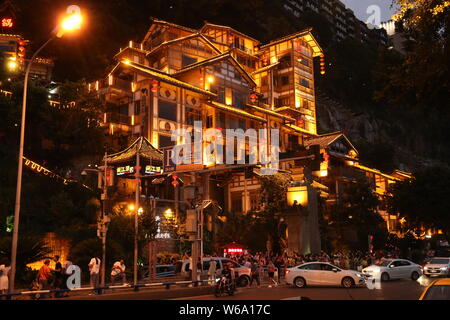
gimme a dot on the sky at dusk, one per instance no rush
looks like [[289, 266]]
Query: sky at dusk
[[360, 8]]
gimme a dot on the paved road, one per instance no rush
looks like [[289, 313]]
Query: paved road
[[393, 290]]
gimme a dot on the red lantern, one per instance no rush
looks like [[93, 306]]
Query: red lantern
[[253, 98], [155, 86], [299, 51], [175, 181], [322, 63]]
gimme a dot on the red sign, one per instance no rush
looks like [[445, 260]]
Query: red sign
[[7, 22]]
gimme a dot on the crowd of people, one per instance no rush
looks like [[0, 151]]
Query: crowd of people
[[277, 264]]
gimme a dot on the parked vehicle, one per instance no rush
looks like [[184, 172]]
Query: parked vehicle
[[163, 270], [393, 269], [242, 274], [437, 290], [322, 274], [437, 267]]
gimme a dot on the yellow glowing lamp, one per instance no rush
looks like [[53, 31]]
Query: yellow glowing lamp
[[12, 64], [131, 207], [71, 22], [168, 214], [297, 195]]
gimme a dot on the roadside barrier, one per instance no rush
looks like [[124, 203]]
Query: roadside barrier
[[100, 290]]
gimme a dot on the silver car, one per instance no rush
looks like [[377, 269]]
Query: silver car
[[437, 267], [393, 269]]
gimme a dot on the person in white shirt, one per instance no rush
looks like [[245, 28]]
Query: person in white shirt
[[5, 269], [118, 272], [212, 269], [94, 271]]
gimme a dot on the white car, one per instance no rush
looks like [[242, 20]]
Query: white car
[[437, 267], [393, 269], [322, 273]]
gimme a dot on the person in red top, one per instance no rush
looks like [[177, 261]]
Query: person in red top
[[44, 275]]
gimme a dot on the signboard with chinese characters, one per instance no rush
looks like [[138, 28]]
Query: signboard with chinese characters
[[7, 22], [152, 170], [125, 170]]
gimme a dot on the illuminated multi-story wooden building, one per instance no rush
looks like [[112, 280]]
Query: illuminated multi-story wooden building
[[227, 80]]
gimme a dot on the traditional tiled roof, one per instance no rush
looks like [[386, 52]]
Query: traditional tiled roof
[[325, 140], [271, 112], [164, 77], [129, 48], [207, 24], [169, 24], [265, 68], [306, 34], [235, 110], [146, 150], [298, 129], [216, 59], [191, 36], [375, 171]]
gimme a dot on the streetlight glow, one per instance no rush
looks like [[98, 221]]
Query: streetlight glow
[[131, 207], [72, 22], [12, 64]]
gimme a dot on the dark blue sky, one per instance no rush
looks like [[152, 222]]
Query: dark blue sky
[[360, 8]]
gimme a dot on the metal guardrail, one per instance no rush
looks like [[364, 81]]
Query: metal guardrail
[[100, 290]]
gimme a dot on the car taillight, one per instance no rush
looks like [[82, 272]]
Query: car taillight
[[287, 271]]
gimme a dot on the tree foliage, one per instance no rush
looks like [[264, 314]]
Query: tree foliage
[[423, 201]]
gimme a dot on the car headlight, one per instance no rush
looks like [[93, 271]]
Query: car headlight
[[426, 268], [444, 268], [359, 275]]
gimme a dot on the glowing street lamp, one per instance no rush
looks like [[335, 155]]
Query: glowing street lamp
[[71, 22], [12, 64]]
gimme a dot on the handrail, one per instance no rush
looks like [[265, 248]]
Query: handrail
[[100, 290]]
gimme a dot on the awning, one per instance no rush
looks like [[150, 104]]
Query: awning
[[146, 151]]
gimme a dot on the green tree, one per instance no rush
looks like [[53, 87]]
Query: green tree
[[348, 224], [422, 201]]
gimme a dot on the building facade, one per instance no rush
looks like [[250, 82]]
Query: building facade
[[227, 80]]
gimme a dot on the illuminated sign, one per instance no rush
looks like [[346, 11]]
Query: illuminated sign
[[153, 170], [125, 170], [7, 22], [234, 250]]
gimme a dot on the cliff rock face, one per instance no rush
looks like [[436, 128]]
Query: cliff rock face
[[361, 128]]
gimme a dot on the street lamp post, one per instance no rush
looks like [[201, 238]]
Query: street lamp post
[[71, 22]]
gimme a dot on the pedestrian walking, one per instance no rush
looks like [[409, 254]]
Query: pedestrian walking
[[94, 272], [212, 270], [5, 269], [271, 273], [57, 276], [255, 272], [44, 275], [118, 272]]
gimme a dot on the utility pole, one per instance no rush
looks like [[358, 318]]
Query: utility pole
[[152, 244], [104, 220], [136, 215]]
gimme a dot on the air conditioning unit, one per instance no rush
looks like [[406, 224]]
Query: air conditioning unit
[[167, 126]]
